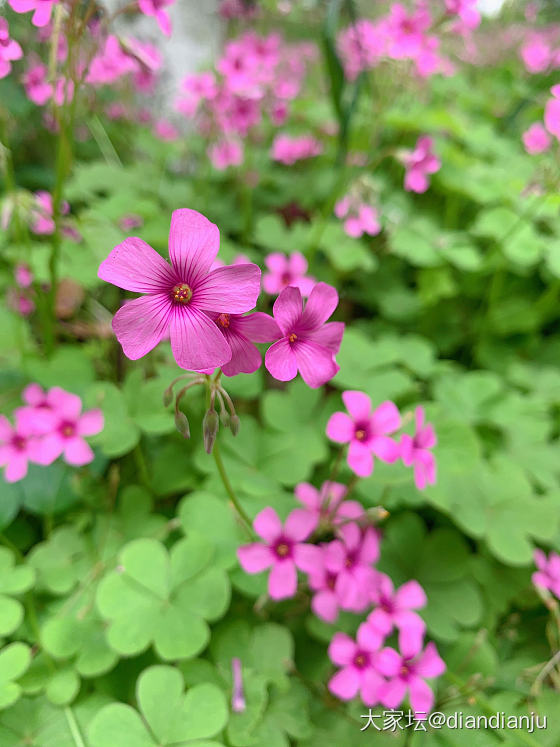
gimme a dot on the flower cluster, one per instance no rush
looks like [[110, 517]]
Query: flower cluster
[[202, 309], [257, 76], [341, 575], [368, 434], [49, 425], [287, 270], [537, 138], [20, 297], [358, 217], [419, 163]]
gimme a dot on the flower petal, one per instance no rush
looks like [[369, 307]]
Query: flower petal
[[345, 684], [386, 418], [288, 309], [196, 341], [299, 524], [328, 336], [280, 361], [232, 289], [316, 364], [193, 245], [410, 596], [320, 305], [282, 582], [141, 324], [255, 558], [90, 423], [358, 404], [342, 649], [258, 327], [245, 357], [360, 459], [430, 663], [135, 266], [421, 696], [78, 452], [340, 428], [268, 525]]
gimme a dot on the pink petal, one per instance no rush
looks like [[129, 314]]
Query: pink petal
[[297, 264], [33, 394], [340, 428], [78, 452], [325, 605], [407, 449], [42, 14], [371, 687], [141, 324], [388, 662], [163, 22], [320, 305], [232, 289], [245, 357], [49, 448], [393, 693], [280, 361], [66, 404], [277, 263], [135, 266], [369, 637], [308, 558], [259, 327], [369, 548], [90, 423], [386, 418], [196, 341], [16, 469], [358, 404], [255, 558], [411, 630], [288, 309], [381, 621], [193, 245], [6, 429], [410, 596], [430, 663], [267, 525], [299, 524], [309, 496], [360, 459], [328, 336], [421, 696], [315, 363], [282, 581], [345, 684], [342, 649], [385, 448]]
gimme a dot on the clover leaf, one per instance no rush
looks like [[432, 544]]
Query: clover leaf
[[14, 661], [61, 561], [14, 580]]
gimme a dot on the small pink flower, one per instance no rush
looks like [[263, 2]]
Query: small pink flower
[[42, 9], [326, 601], [69, 427], [552, 112], [226, 153], [360, 661], [23, 275], [155, 8], [195, 88], [536, 139], [309, 344], [365, 431], [179, 296], [328, 504], [10, 50], [407, 673], [42, 214], [18, 446], [536, 54], [131, 220], [359, 218], [415, 450], [165, 130], [351, 559], [35, 83], [19, 302], [285, 270], [418, 164], [288, 150], [547, 575], [283, 550], [395, 609]]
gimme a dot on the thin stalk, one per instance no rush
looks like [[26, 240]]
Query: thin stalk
[[230, 491], [73, 726]]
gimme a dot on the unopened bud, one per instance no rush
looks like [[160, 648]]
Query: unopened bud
[[234, 424], [225, 418], [182, 424], [210, 426], [168, 397]]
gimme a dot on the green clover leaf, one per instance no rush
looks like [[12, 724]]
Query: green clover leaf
[[14, 580]]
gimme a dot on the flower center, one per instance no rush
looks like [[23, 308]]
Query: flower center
[[67, 430], [360, 434], [286, 278], [404, 671], [283, 548], [181, 293], [292, 338], [18, 442], [223, 320], [331, 581], [361, 660]]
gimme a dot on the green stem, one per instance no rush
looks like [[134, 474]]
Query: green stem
[[229, 489], [141, 464], [73, 726]]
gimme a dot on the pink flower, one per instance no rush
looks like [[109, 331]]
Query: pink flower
[[179, 296], [17, 446], [285, 270], [415, 450], [360, 661], [359, 218], [395, 609], [155, 8], [547, 575], [309, 344], [365, 431], [552, 112], [362, 46], [19, 302], [288, 150], [240, 333], [407, 674], [23, 275], [536, 139], [466, 10], [165, 130], [226, 153], [131, 220], [195, 88], [418, 164], [283, 550], [69, 426], [10, 50], [406, 30], [326, 601], [35, 83], [351, 558], [328, 504], [42, 214], [536, 54], [42, 9], [111, 63]]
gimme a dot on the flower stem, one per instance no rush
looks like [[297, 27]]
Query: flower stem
[[229, 490]]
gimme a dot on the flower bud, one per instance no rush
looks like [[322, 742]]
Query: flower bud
[[225, 418], [168, 397], [210, 426], [182, 424], [234, 424]]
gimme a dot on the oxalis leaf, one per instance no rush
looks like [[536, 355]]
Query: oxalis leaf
[[14, 580]]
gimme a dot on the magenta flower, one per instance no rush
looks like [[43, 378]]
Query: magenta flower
[[552, 112], [23, 275], [42, 9], [328, 504], [288, 150], [536, 139], [536, 54], [18, 445], [394, 609], [155, 8], [283, 550], [165, 130], [37, 89], [69, 427], [286, 270], [359, 218], [547, 575], [42, 221], [365, 431], [466, 11], [351, 559], [415, 450], [418, 164], [240, 333], [179, 297], [326, 601], [226, 153], [360, 661], [407, 674], [309, 344], [10, 50]]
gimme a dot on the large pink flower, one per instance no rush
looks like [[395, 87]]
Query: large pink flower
[[360, 661], [42, 9], [179, 296], [407, 674], [365, 431], [309, 344], [396, 609], [18, 446], [241, 332], [283, 550], [415, 450]]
